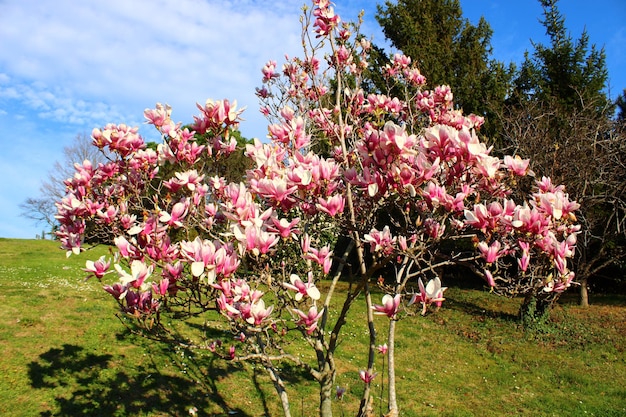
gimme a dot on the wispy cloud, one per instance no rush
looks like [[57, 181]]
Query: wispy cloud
[[71, 61], [68, 66], [56, 104]]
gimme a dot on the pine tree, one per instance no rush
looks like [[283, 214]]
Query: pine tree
[[450, 50], [570, 72]]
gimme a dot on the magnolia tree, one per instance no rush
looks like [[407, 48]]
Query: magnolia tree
[[404, 179]]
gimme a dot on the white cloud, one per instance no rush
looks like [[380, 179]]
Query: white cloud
[[69, 65], [129, 55], [56, 105], [87, 63]]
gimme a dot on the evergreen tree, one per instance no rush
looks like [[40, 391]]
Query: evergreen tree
[[448, 49], [570, 72]]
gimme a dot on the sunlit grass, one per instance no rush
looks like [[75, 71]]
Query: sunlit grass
[[65, 353]]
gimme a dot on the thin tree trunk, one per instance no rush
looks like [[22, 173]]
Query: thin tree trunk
[[326, 392], [402, 276], [584, 292], [391, 370], [280, 389], [365, 408]]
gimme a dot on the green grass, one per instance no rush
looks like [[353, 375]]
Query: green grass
[[64, 353]]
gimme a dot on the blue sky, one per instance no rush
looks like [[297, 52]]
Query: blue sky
[[67, 66]]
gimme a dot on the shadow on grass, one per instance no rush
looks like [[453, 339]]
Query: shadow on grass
[[572, 298], [472, 308], [95, 385]]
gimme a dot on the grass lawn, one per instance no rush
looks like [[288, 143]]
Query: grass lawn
[[64, 353]]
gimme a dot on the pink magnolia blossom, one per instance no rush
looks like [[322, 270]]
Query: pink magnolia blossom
[[286, 228], [324, 170], [516, 165], [560, 284], [326, 19], [118, 138], [437, 195], [561, 251], [489, 278], [158, 116], [139, 272], [432, 293], [556, 204], [380, 241], [258, 313], [545, 185], [126, 249], [487, 165], [237, 300], [524, 260], [530, 220], [209, 258], [189, 179], [162, 287], [275, 189], [367, 376], [300, 175], [98, 268], [322, 256], [303, 289], [305, 243], [332, 205], [401, 60], [403, 243], [117, 290], [254, 239], [127, 221], [491, 252], [397, 136], [479, 218], [389, 306], [433, 228], [268, 71], [176, 217], [344, 57], [108, 215], [216, 114], [415, 77], [309, 319]]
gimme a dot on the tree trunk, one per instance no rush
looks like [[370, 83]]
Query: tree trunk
[[326, 392], [535, 310], [584, 292], [391, 370], [365, 407], [280, 389]]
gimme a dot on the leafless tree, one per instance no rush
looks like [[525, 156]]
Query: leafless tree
[[41, 209], [587, 151]]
